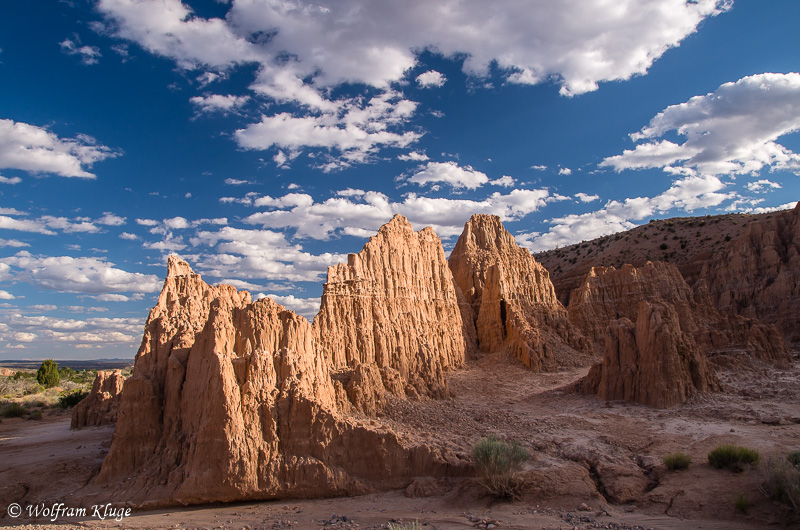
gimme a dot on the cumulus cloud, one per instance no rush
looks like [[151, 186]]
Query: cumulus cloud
[[12, 243], [36, 150], [762, 185], [259, 254], [565, 171], [10, 180], [303, 49], [77, 275], [431, 79], [687, 194], [362, 213], [585, 197], [5, 295], [307, 307], [413, 156], [88, 54], [733, 130], [451, 174], [770, 209], [76, 332], [505, 181], [218, 103]]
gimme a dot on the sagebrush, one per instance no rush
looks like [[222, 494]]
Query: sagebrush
[[732, 457], [676, 461], [497, 464], [779, 479]]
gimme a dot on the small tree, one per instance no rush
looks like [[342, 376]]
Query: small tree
[[48, 374]]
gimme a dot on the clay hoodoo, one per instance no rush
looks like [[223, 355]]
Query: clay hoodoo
[[395, 305], [607, 294], [231, 400], [101, 406], [512, 298], [652, 362], [758, 273]]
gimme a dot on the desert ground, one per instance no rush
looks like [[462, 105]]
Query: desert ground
[[594, 464]]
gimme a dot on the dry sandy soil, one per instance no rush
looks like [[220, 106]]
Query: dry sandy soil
[[594, 464]]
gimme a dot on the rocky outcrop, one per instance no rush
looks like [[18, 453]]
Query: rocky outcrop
[[101, 406], [607, 294], [758, 273], [232, 399], [652, 362], [395, 305], [6, 372], [511, 298]]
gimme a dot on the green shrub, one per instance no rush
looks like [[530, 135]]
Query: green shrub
[[13, 410], [35, 415], [794, 458], [71, 398], [405, 526], [742, 503], [48, 374], [779, 480], [676, 461], [732, 457], [497, 464]]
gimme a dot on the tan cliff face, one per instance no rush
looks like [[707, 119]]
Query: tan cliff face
[[758, 273], [395, 305], [607, 293], [232, 399], [511, 297], [101, 406], [651, 361]]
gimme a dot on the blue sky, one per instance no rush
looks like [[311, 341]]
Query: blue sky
[[263, 140]]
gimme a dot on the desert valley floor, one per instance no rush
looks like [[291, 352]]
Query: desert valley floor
[[580, 445]]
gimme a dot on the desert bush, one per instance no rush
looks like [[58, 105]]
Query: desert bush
[[35, 415], [47, 375], [405, 526], [742, 503], [13, 410], [70, 399], [732, 457], [794, 458], [676, 461], [779, 480], [498, 464]]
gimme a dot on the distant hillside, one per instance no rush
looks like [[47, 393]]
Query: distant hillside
[[83, 364], [688, 242]]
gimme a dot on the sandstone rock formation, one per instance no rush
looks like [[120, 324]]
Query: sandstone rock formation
[[511, 297], [395, 305], [758, 273], [607, 294], [7, 372], [101, 406], [652, 362], [233, 400]]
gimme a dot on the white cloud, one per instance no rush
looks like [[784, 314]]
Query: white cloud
[[539, 167], [36, 150], [10, 180], [431, 78], [730, 131], [762, 185], [565, 171], [259, 254], [218, 103], [25, 225], [687, 194], [77, 275], [128, 236], [787, 206], [584, 197], [505, 181], [89, 54], [5, 295], [361, 214], [307, 307], [303, 49], [110, 219], [414, 156], [236, 182], [12, 243], [451, 174], [76, 332]]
